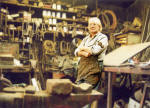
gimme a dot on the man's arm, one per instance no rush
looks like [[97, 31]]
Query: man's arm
[[83, 53], [99, 46]]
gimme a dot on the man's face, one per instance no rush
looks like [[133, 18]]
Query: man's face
[[93, 28]]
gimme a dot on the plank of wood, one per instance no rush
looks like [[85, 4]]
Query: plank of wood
[[123, 53]]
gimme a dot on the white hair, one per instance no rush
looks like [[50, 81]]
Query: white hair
[[96, 21]]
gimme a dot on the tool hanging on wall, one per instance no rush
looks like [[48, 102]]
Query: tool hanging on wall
[[63, 47], [59, 29], [114, 18], [49, 47], [109, 19], [105, 20], [62, 28], [5, 23], [43, 27], [68, 47], [74, 31]]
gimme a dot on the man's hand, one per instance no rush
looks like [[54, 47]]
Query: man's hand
[[84, 53], [86, 49]]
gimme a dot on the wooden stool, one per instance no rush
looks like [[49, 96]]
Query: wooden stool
[[146, 86]]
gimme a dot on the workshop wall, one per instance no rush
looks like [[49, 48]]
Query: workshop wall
[[138, 8], [44, 33]]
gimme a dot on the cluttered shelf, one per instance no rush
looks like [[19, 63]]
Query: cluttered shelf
[[61, 19], [15, 68], [39, 7], [51, 10], [50, 7]]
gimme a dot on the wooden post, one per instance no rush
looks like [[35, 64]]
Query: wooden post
[[109, 93]]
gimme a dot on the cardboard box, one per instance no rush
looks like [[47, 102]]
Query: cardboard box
[[134, 104]]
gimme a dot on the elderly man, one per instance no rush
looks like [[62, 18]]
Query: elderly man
[[91, 50]]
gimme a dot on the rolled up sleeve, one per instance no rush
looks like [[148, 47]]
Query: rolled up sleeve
[[99, 46]]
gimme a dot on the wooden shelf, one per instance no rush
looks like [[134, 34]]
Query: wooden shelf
[[69, 19], [44, 8], [31, 6], [68, 25], [52, 31], [63, 19], [24, 58], [24, 49]]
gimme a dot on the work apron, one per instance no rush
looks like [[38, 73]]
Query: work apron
[[88, 70]]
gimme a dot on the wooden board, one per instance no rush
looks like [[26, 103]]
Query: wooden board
[[122, 54], [42, 99]]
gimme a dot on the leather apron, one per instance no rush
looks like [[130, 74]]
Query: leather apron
[[88, 70]]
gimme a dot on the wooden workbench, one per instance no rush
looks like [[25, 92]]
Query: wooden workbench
[[114, 62], [43, 100], [122, 69]]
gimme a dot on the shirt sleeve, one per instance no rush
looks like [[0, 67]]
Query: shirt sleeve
[[99, 45], [78, 48]]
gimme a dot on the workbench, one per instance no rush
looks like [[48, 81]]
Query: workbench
[[122, 69], [117, 62], [42, 99]]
